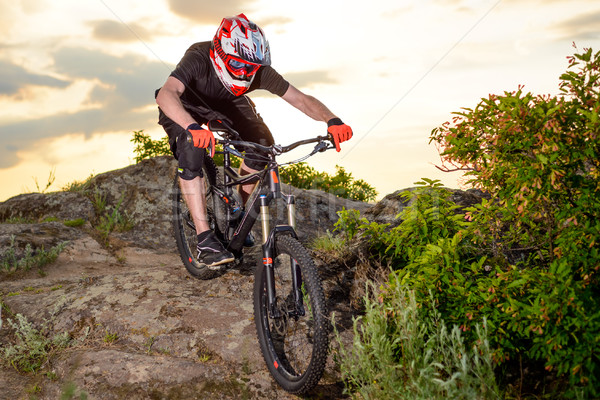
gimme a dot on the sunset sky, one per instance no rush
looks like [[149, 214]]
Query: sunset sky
[[78, 76]]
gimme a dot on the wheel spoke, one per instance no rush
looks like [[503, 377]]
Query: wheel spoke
[[297, 350]]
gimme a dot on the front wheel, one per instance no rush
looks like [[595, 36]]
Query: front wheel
[[295, 341]]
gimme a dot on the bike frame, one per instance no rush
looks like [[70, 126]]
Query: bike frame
[[267, 190]]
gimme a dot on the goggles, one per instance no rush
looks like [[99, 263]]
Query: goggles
[[240, 69]]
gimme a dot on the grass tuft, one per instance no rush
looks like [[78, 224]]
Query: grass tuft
[[33, 346], [10, 262]]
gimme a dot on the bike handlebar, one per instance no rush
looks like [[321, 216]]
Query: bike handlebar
[[273, 150]]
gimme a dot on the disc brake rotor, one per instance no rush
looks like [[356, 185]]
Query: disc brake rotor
[[280, 324]]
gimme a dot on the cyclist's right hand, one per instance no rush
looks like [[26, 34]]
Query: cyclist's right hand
[[338, 131], [202, 138]]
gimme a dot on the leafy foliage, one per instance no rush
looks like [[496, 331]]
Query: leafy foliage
[[397, 354], [430, 216], [538, 157], [342, 184], [146, 147], [527, 260]]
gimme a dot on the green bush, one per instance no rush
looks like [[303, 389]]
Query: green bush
[[430, 216], [538, 158], [10, 262], [529, 260], [342, 184], [110, 218], [145, 147], [397, 354]]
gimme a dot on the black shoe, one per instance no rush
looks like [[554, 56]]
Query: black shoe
[[211, 252]]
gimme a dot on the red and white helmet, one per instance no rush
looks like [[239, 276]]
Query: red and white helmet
[[238, 50]]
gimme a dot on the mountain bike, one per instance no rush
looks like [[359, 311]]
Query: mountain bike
[[292, 320]]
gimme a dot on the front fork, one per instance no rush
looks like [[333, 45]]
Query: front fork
[[268, 248]]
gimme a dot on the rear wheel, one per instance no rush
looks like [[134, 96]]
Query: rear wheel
[[294, 344], [183, 225]]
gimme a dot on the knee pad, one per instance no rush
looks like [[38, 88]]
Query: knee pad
[[190, 158], [188, 175]]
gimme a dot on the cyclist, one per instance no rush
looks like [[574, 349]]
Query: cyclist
[[215, 76]]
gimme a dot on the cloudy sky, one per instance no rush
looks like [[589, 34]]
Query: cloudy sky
[[78, 76]]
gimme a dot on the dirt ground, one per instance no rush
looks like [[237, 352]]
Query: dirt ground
[[143, 328]]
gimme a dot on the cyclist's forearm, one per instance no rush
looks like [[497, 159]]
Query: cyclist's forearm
[[170, 104], [316, 110], [309, 105]]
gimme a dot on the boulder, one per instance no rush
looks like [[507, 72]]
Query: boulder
[[35, 207]]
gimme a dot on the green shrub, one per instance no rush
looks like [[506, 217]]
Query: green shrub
[[342, 184], [430, 216], [396, 354], [348, 223], [110, 218], [538, 158], [146, 147], [529, 260]]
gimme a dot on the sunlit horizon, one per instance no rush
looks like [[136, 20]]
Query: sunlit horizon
[[78, 78]]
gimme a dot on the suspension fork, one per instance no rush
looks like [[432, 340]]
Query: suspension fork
[[268, 249], [268, 252], [295, 268]]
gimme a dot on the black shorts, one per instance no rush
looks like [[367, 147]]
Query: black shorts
[[241, 113]]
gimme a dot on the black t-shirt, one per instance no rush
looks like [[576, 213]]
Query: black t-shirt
[[203, 87]]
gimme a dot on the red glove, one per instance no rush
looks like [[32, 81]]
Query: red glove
[[202, 138], [339, 131]]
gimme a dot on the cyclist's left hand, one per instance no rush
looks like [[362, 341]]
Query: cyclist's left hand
[[339, 131], [202, 138]]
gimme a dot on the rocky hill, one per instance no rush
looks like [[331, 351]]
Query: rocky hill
[[139, 326]]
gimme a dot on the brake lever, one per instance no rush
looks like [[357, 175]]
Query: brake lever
[[209, 149], [277, 149], [321, 147]]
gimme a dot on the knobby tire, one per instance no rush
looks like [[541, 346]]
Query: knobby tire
[[294, 347]]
